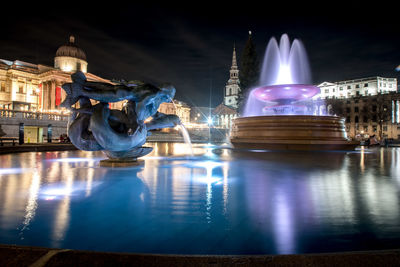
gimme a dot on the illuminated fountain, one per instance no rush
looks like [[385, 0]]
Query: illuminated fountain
[[279, 114]]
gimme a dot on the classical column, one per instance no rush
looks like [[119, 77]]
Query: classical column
[[14, 88], [46, 96], [52, 94]]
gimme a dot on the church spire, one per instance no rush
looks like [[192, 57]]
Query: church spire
[[234, 63], [234, 72]]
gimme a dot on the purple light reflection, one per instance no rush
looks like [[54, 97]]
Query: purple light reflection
[[293, 92]]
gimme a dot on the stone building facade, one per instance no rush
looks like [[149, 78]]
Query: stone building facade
[[358, 87], [365, 116], [370, 106]]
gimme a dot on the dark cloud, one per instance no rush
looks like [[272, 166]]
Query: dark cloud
[[190, 45]]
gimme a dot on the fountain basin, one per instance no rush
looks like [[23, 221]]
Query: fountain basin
[[291, 132]]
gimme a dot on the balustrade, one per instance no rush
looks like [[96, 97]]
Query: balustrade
[[30, 115]]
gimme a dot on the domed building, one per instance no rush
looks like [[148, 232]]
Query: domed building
[[31, 94], [70, 57]]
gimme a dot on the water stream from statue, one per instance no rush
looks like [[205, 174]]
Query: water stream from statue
[[184, 132]]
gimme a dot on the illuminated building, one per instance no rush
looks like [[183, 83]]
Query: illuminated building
[[30, 94], [369, 115], [36, 87], [225, 112], [179, 108], [358, 87], [232, 87]]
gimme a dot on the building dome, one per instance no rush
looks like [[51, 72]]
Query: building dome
[[71, 50], [70, 57]]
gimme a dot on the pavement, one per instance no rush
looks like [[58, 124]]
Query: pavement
[[32, 147], [11, 255]]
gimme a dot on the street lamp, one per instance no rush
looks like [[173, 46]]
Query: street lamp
[[209, 121]]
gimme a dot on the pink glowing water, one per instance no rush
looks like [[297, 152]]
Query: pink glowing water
[[284, 81]]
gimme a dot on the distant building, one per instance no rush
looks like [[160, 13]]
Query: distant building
[[224, 115], [370, 106], [369, 115], [179, 108], [35, 87], [31, 94], [358, 87], [232, 88]]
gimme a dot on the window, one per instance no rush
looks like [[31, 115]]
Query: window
[[2, 87], [357, 86], [348, 87], [347, 110], [356, 109], [356, 119], [326, 91], [348, 119], [365, 119], [20, 88], [357, 93], [365, 84], [373, 108], [341, 88], [385, 128]]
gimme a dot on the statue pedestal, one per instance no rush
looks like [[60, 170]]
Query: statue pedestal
[[115, 163]]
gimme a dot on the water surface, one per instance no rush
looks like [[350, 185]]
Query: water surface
[[217, 202]]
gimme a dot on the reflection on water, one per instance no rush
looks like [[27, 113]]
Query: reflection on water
[[219, 201]]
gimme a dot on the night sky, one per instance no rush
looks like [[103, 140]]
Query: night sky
[[190, 45]]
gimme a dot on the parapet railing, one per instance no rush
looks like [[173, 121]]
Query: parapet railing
[[32, 115]]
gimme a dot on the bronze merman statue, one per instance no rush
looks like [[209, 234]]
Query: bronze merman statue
[[120, 134]]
